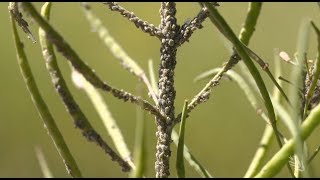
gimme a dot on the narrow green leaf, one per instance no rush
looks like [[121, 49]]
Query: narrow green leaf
[[180, 149]]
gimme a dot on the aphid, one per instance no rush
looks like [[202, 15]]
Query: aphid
[[307, 77]]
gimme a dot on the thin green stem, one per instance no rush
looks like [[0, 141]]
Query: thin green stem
[[276, 163], [267, 135], [42, 108], [248, 28], [80, 120]]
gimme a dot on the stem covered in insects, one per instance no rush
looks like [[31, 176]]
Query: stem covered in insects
[[167, 93]]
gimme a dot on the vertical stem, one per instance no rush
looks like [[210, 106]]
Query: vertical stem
[[167, 93], [42, 108]]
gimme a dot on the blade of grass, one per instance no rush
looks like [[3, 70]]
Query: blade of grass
[[180, 160], [276, 163], [79, 118], [43, 163], [140, 143], [42, 107]]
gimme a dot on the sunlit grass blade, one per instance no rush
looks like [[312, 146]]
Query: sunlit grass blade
[[180, 160], [43, 163], [154, 82], [276, 163], [140, 143], [42, 107]]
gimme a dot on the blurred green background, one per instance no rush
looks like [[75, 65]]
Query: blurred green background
[[222, 133]]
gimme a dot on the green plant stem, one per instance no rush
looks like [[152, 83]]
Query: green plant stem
[[267, 135], [80, 120], [42, 108], [64, 48], [248, 28], [276, 163], [221, 24]]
